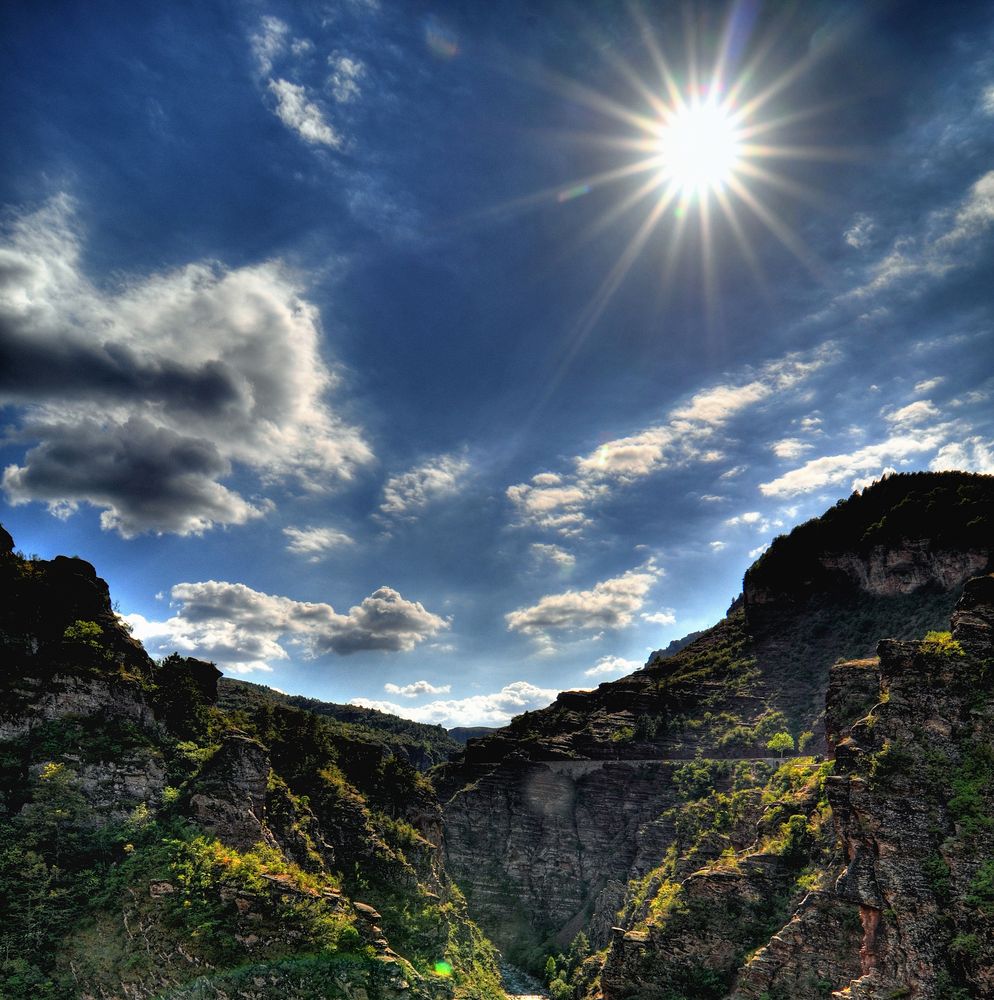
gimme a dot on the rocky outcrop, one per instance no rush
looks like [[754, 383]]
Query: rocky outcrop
[[230, 800], [912, 801]]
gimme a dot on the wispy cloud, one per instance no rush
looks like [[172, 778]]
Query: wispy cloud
[[691, 434], [315, 543], [302, 115], [555, 554], [244, 629], [346, 73]]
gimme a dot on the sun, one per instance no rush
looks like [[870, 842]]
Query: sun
[[699, 148]]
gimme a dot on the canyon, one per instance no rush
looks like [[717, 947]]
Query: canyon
[[795, 803]]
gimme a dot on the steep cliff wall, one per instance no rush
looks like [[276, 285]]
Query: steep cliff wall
[[891, 892], [536, 869]]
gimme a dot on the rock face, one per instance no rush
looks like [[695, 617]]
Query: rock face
[[556, 833], [912, 799], [231, 798]]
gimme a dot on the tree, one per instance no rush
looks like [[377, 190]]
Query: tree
[[804, 739], [780, 743], [550, 969]]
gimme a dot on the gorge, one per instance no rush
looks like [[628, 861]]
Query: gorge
[[167, 833]]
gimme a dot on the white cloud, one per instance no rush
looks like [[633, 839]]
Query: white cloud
[[609, 604], [974, 454], [834, 469], [315, 542], [269, 43], [554, 554], [688, 436], [929, 384], [749, 517], [858, 485], [790, 448], [987, 100], [416, 689], [244, 629], [346, 72], [612, 666], [759, 550], [302, 115], [719, 404], [717, 546], [495, 709], [142, 397], [860, 231], [665, 616], [912, 259], [913, 413], [435, 479]]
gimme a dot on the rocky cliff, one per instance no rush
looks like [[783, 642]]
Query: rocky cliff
[[153, 844], [587, 814], [894, 896]]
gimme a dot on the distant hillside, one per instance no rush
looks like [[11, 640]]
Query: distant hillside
[[421, 745], [462, 734]]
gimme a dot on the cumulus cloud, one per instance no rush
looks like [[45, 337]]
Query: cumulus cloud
[[612, 666], [665, 616], [689, 435], [244, 629], [435, 479], [717, 546], [416, 689], [790, 448], [302, 115], [974, 454], [610, 604], [495, 709], [834, 469], [315, 543], [141, 399], [749, 517], [861, 484]]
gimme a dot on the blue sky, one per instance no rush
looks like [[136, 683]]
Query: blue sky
[[338, 337]]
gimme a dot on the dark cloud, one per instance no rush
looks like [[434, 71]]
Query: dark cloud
[[139, 400], [140, 475]]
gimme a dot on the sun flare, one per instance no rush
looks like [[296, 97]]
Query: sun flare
[[699, 147]]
